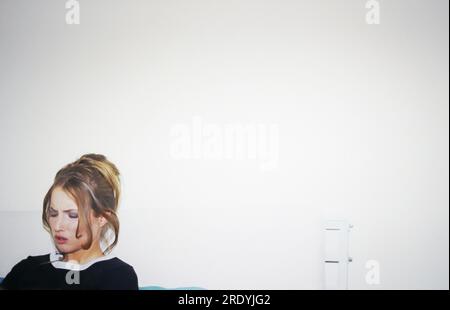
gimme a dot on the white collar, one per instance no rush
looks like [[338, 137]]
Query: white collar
[[55, 259]]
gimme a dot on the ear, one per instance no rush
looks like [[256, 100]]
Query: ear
[[102, 221]]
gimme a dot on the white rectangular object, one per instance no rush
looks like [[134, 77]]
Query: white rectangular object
[[336, 255]]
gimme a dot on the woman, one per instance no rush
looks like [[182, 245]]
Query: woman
[[79, 212]]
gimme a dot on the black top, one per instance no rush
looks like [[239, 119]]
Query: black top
[[38, 272]]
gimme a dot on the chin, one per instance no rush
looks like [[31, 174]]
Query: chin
[[65, 249]]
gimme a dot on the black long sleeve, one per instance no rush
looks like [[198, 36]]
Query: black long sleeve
[[37, 272]]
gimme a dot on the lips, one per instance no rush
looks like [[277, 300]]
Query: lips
[[60, 239]]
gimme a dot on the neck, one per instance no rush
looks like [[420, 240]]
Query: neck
[[83, 256]]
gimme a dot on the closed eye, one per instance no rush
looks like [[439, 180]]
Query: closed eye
[[73, 215], [52, 212]]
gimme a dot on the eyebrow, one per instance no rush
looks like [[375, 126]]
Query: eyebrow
[[67, 210]]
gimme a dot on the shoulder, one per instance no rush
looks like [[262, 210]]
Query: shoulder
[[116, 274], [22, 268], [39, 259], [115, 264], [31, 261]]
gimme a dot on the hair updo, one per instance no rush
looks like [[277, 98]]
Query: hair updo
[[93, 182]]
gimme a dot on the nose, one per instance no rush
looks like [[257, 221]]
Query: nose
[[59, 223]]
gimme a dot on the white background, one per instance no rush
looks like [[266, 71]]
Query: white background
[[362, 112]]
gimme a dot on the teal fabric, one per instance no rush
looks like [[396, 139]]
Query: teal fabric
[[160, 288]]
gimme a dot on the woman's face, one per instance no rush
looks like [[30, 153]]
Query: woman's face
[[63, 220]]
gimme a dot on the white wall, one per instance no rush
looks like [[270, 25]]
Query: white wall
[[361, 111]]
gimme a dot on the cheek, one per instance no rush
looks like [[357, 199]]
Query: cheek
[[51, 222], [72, 227], [69, 226]]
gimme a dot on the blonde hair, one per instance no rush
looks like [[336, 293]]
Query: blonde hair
[[93, 182]]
